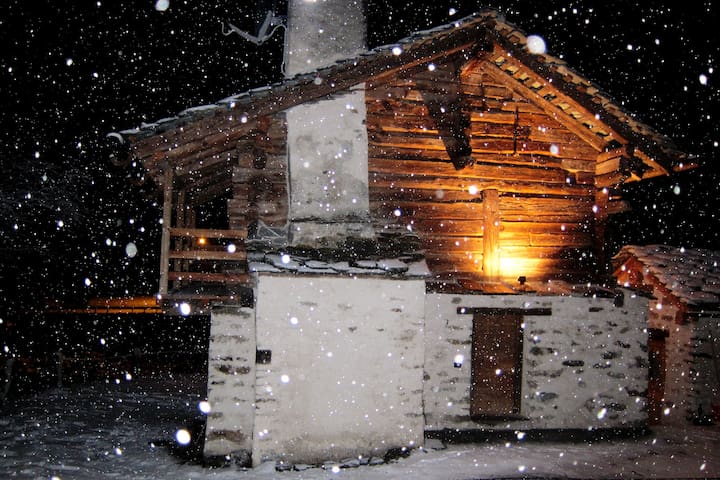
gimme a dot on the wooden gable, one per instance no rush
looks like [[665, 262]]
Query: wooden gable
[[505, 163]]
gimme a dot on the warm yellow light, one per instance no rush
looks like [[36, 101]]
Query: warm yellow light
[[202, 241], [511, 267]]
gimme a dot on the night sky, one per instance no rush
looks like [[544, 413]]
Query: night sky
[[72, 71]]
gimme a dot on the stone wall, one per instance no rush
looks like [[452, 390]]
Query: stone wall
[[343, 366], [705, 364], [677, 404], [231, 383], [585, 365], [691, 376], [691, 371]]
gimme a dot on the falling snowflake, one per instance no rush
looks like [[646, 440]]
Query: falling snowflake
[[536, 44], [162, 5], [131, 250], [182, 436]]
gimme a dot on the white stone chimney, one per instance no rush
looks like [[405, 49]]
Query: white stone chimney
[[327, 139]]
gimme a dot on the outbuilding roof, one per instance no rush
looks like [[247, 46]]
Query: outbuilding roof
[[690, 275]]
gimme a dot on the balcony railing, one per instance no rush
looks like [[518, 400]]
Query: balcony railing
[[201, 255]]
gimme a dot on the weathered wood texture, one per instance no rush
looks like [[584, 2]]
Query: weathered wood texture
[[440, 142], [202, 255], [543, 176], [259, 180]]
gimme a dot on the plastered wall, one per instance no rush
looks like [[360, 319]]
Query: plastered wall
[[691, 368], [344, 377], [231, 383], [585, 365]]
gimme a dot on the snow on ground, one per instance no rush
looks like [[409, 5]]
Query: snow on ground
[[126, 429]]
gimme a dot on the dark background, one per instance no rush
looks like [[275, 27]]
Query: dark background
[[72, 71]]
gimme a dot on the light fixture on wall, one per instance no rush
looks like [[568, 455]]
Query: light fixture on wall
[[458, 361], [522, 280]]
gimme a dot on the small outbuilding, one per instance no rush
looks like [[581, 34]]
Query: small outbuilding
[[684, 327]]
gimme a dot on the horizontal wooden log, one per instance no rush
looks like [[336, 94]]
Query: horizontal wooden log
[[530, 252], [578, 206], [437, 243], [203, 277], [412, 210], [477, 171], [611, 154], [532, 267], [579, 165], [237, 256], [385, 186], [448, 228], [617, 206], [575, 238], [517, 104], [543, 227], [613, 165], [393, 195], [611, 180], [486, 91], [208, 233], [509, 116]]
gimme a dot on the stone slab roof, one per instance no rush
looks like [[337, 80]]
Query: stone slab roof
[[691, 275]]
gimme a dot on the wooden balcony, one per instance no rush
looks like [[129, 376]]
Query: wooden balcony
[[196, 260]]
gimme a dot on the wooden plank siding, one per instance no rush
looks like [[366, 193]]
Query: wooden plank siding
[[543, 173], [477, 145], [259, 180]]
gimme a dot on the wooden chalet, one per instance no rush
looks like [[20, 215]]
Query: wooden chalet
[[387, 216], [505, 163]]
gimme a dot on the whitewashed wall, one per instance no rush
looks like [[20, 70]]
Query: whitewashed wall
[[583, 366], [705, 368], [691, 378], [677, 401], [231, 383], [327, 151], [691, 369], [346, 369], [319, 33]]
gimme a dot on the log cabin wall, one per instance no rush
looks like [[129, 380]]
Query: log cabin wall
[[259, 181], [538, 175]]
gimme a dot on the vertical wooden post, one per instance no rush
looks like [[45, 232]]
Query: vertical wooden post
[[180, 243], [601, 217], [167, 220], [491, 234], [180, 209]]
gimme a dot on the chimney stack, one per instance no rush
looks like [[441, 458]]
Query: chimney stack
[[327, 139], [321, 32]]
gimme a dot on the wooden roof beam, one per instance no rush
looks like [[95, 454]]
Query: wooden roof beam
[[443, 98], [237, 121], [625, 164]]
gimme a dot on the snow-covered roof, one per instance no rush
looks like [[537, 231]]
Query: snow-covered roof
[[483, 28], [691, 275], [406, 266]]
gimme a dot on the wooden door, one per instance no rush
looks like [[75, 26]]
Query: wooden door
[[496, 364], [656, 375]]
